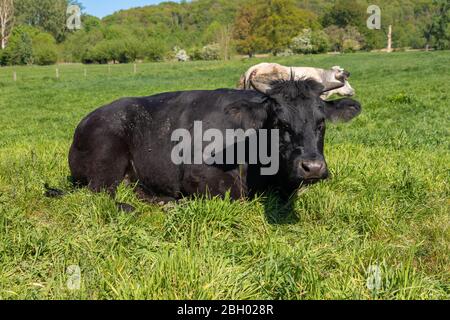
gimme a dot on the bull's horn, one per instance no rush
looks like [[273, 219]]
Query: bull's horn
[[261, 87], [330, 87]]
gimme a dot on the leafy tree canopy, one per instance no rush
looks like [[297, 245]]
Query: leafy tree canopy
[[211, 28]]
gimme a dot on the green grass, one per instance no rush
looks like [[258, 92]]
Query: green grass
[[387, 204]]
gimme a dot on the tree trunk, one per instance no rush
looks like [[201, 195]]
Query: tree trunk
[[6, 20], [224, 39], [389, 48], [3, 39], [2, 30]]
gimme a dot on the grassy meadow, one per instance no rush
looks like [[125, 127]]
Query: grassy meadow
[[385, 212]]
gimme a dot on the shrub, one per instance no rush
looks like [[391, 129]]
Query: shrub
[[310, 42], [181, 55], [351, 45], [45, 56], [45, 51], [210, 52], [302, 43], [88, 56], [285, 53], [195, 53], [79, 44], [131, 50], [320, 42], [352, 33], [345, 40], [3, 57], [155, 50], [101, 53], [116, 51], [335, 35], [207, 53]]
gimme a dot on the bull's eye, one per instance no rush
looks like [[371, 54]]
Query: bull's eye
[[284, 126]]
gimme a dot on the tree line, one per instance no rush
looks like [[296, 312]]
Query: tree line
[[35, 31]]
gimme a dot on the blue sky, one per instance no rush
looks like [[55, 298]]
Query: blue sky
[[101, 8]]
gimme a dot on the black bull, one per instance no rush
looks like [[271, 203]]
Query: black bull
[[130, 139]]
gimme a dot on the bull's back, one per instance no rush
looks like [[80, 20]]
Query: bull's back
[[181, 109], [158, 114]]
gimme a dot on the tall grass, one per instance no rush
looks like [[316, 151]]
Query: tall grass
[[386, 207]]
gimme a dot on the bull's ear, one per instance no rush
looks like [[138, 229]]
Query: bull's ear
[[342, 110], [249, 113]]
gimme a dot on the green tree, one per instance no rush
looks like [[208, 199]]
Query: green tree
[[155, 49], [47, 15], [244, 33], [79, 45], [22, 51], [345, 13], [258, 26], [45, 51], [440, 27], [133, 50], [20, 47], [90, 23], [278, 21], [115, 51], [210, 34]]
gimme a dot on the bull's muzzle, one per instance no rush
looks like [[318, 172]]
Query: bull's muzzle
[[313, 169]]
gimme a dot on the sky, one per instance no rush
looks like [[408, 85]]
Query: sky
[[102, 8]]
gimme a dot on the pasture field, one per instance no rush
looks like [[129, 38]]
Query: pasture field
[[385, 212]]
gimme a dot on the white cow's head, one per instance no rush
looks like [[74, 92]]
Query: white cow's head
[[341, 76]]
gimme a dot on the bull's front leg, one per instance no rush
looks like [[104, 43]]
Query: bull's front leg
[[216, 181], [146, 195]]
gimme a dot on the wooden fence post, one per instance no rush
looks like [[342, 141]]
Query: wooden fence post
[[15, 76], [389, 48]]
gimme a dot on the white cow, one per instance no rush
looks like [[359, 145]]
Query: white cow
[[260, 76]]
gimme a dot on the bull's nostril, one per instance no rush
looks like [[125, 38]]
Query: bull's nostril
[[313, 169], [306, 167]]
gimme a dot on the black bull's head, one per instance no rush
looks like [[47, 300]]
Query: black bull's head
[[300, 115]]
